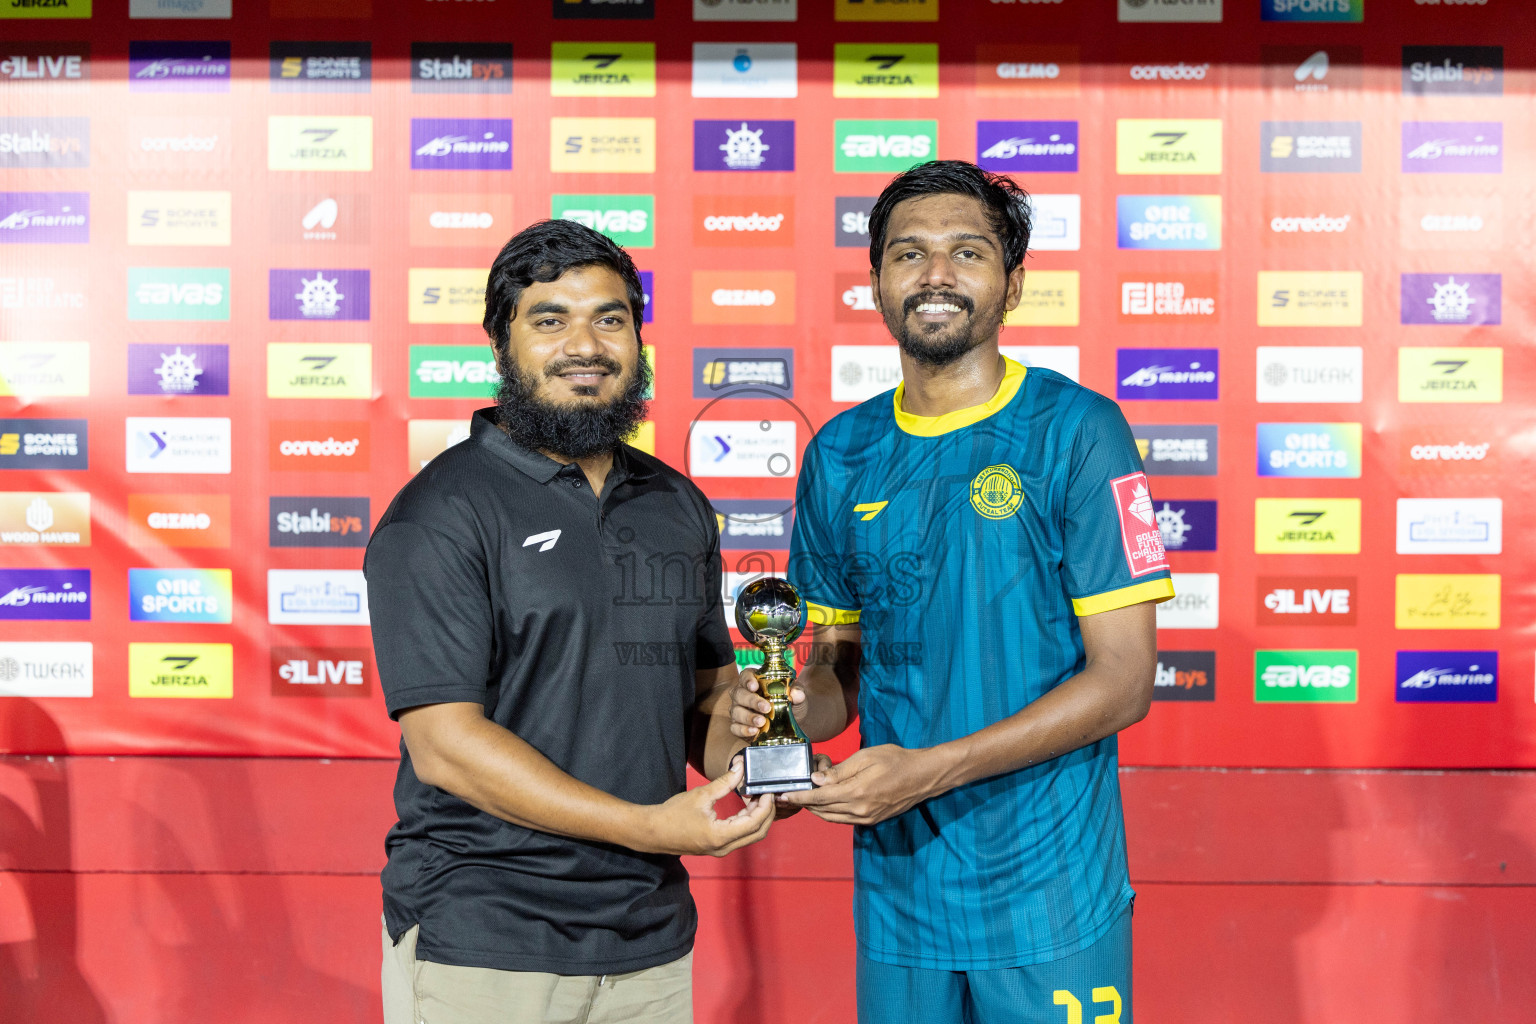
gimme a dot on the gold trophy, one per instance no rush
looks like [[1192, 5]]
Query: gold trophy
[[770, 614]]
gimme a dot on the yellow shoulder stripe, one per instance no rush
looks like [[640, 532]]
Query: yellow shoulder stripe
[[1137, 593], [821, 615]]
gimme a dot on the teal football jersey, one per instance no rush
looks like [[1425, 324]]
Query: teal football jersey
[[966, 546]]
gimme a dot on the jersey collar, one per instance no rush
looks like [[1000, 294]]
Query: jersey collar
[[933, 426]]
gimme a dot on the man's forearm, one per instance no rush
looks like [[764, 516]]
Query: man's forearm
[[825, 713], [492, 769]]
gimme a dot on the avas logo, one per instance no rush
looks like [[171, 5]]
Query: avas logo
[[1185, 675], [1307, 373], [319, 445], [1309, 450], [45, 63], [446, 295], [1049, 298], [1309, 147], [336, 143], [885, 70], [308, 370], [320, 67], [317, 522], [1450, 375], [743, 220], [1190, 298], [180, 595], [612, 145], [1448, 601], [629, 220], [179, 218], [1453, 70], [1305, 677], [181, 670], [1312, 10], [719, 372], [1168, 222], [44, 444], [1311, 70], [461, 67], [602, 69], [45, 369], [1448, 452], [1306, 526], [1189, 146], [879, 146], [1451, 222], [885, 10], [1311, 298], [1307, 600], [1014, 70], [1447, 677], [1169, 10], [322, 672], [45, 141], [743, 297], [179, 520], [453, 371], [478, 220], [45, 519]]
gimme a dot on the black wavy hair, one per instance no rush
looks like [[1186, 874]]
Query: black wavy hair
[[1006, 203], [542, 252]]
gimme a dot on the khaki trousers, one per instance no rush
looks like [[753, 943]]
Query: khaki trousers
[[423, 992]]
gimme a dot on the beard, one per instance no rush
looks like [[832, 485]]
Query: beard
[[941, 344], [577, 430]]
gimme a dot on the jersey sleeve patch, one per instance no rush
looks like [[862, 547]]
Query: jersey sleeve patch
[[1139, 535]]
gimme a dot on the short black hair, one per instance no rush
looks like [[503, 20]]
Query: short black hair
[[542, 252], [1006, 203]]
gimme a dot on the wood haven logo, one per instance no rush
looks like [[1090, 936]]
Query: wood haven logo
[[1143, 541], [743, 296]]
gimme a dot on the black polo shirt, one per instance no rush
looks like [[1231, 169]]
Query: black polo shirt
[[577, 621]]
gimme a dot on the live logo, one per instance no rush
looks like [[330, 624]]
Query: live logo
[[322, 672], [1307, 600]]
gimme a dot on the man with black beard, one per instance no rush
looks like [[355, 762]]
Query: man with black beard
[[546, 609], [979, 556]]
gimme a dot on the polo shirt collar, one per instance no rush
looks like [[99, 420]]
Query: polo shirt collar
[[483, 430]]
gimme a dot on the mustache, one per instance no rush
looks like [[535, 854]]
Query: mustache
[[599, 362], [909, 306]]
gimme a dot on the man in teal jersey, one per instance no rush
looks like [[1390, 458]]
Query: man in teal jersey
[[980, 559]]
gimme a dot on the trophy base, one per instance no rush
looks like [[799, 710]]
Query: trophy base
[[781, 768]]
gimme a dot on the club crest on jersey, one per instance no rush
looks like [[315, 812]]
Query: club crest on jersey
[[1139, 533], [996, 492]]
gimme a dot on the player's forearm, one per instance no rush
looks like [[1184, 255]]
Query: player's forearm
[[494, 770], [826, 712], [1097, 702]]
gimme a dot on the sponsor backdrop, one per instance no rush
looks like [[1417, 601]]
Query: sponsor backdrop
[[242, 259]]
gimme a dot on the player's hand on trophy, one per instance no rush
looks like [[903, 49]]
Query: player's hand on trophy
[[873, 784], [749, 708], [687, 823]]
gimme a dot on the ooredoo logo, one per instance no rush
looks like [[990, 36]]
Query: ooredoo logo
[[323, 445], [1176, 73], [743, 220], [1310, 220], [1448, 452]]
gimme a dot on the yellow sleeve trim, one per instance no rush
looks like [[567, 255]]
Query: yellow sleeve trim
[[821, 615], [1136, 593]]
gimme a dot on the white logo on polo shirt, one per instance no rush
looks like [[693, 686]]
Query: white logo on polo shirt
[[548, 539]]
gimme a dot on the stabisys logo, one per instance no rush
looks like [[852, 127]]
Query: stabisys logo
[[1185, 675], [317, 522], [461, 67], [45, 142], [1453, 70]]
